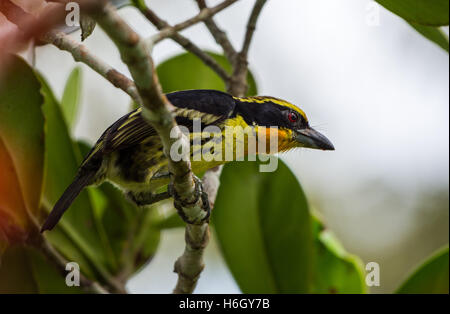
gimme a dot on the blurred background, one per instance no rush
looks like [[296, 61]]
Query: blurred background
[[379, 92]]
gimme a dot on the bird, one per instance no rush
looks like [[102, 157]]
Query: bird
[[130, 153]]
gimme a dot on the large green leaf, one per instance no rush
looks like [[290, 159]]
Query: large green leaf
[[264, 229], [430, 277], [435, 34], [186, 71], [424, 12], [46, 276], [71, 97], [16, 273], [335, 271], [78, 226], [21, 141], [424, 16], [26, 270]]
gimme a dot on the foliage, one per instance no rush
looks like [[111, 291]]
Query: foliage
[[424, 16], [109, 245], [430, 277], [21, 149], [272, 242], [195, 74], [71, 97], [286, 249]]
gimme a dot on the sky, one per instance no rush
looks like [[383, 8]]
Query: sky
[[378, 92]]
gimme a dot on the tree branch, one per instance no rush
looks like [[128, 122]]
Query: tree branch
[[204, 14], [156, 110], [189, 265], [219, 35], [183, 41], [81, 54], [251, 25], [238, 82]]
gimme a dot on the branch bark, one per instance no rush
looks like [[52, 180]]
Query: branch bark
[[183, 41], [238, 81], [80, 53], [251, 25], [218, 34], [204, 15]]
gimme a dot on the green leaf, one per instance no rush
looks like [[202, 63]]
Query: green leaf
[[21, 140], [47, 278], [16, 273], [186, 71], [87, 25], [434, 34], [77, 232], [26, 270], [71, 97], [263, 226], [424, 16], [430, 277], [336, 271], [424, 12]]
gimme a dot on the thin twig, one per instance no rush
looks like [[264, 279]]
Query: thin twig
[[218, 34], [80, 53], [238, 81], [251, 26], [184, 42], [204, 14]]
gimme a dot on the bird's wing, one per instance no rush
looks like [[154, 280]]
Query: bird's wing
[[210, 106], [128, 131]]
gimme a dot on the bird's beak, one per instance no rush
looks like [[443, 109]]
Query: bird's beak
[[312, 139]]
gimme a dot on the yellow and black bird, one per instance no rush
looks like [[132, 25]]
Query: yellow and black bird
[[130, 153]]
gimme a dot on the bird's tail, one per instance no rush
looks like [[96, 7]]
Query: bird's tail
[[72, 191]]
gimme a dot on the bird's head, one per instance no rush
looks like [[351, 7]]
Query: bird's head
[[291, 121]]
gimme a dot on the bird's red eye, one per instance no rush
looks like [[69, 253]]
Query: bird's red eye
[[292, 116]]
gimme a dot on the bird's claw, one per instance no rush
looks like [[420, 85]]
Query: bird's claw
[[198, 193]]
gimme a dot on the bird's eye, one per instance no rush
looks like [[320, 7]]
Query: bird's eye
[[293, 117]]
